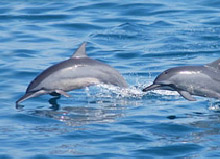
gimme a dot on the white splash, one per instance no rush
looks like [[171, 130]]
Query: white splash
[[124, 92], [165, 92], [214, 106]]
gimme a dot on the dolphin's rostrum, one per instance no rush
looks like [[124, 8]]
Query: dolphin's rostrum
[[77, 72], [201, 80]]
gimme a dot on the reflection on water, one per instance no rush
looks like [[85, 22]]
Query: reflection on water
[[104, 105], [81, 115]]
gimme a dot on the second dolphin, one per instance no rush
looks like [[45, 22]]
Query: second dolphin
[[201, 80]]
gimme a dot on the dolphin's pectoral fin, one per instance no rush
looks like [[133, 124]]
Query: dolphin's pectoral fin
[[30, 95], [63, 93], [186, 95]]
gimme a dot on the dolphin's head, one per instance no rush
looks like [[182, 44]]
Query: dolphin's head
[[163, 81], [31, 86]]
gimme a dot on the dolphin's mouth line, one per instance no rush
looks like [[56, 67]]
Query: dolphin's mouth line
[[170, 87], [151, 87]]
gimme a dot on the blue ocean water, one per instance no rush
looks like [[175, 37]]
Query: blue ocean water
[[138, 38]]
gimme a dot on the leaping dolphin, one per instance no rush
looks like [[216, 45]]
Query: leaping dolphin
[[75, 73], [201, 80]]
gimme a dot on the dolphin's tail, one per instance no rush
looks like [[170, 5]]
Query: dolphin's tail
[[30, 95], [151, 87]]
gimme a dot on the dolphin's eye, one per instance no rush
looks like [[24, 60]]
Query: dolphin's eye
[[165, 72]]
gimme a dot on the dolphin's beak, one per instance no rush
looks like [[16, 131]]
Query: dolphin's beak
[[24, 97], [151, 87], [30, 95]]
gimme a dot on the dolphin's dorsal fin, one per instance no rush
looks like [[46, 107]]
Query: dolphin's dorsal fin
[[80, 52], [215, 64]]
